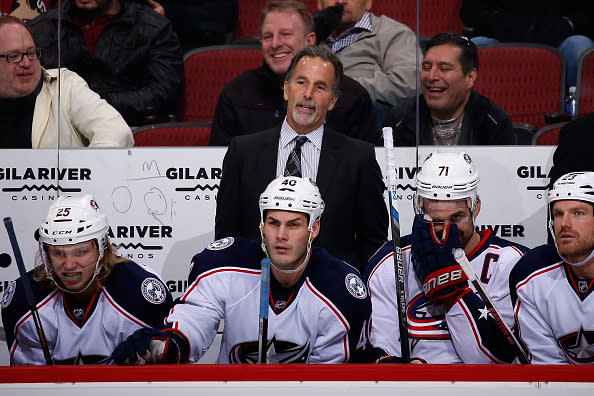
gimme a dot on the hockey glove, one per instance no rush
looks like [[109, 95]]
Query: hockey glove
[[148, 345], [434, 263], [326, 20]]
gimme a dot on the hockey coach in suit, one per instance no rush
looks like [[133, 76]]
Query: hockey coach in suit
[[345, 169]]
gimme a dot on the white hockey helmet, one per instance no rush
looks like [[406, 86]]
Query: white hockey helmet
[[578, 186], [74, 219], [71, 220], [294, 194], [447, 176]]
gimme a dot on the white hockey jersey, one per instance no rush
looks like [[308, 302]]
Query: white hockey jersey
[[319, 320], [464, 334], [132, 297], [554, 310]]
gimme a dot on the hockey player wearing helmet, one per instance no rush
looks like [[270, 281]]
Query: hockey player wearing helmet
[[552, 285], [290, 211], [447, 193], [73, 245], [317, 304], [447, 321], [88, 298]]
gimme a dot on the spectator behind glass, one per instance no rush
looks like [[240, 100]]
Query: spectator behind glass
[[377, 52], [128, 54], [199, 23], [29, 96], [451, 112], [254, 101], [565, 24]]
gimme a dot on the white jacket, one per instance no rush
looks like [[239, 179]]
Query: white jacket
[[83, 118]]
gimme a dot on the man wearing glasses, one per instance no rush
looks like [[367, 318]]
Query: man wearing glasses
[[29, 112], [450, 111]]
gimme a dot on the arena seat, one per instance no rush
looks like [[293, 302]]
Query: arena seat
[[585, 84], [434, 16], [206, 72], [548, 135], [248, 22], [173, 134], [526, 80]]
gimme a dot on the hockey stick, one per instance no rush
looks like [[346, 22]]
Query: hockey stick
[[28, 289], [263, 317], [461, 259], [395, 227]]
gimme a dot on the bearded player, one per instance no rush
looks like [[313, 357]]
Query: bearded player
[[552, 285], [447, 320]]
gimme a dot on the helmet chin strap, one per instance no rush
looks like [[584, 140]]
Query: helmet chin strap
[[578, 264], [97, 269], [309, 240]]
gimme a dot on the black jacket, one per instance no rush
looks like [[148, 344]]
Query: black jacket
[[199, 23], [574, 151], [137, 66], [355, 219], [484, 123], [253, 102]]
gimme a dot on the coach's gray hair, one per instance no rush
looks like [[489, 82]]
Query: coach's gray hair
[[324, 53]]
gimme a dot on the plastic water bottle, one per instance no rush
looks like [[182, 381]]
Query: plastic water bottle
[[570, 102]]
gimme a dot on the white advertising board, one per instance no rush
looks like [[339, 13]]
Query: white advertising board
[[160, 202]]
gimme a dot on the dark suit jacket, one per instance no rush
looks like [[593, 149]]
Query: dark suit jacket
[[355, 221]]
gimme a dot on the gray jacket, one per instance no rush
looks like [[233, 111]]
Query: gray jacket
[[383, 61]]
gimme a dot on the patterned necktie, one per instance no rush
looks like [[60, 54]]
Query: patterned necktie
[[293, 167]]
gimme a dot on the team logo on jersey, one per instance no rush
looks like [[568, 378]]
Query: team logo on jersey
[[583, 285], [78, 314], [221, 244], [94, 204], [355, 286], [277, 351], [425, 320], [153, 291], [579, 346], [8, 294]]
